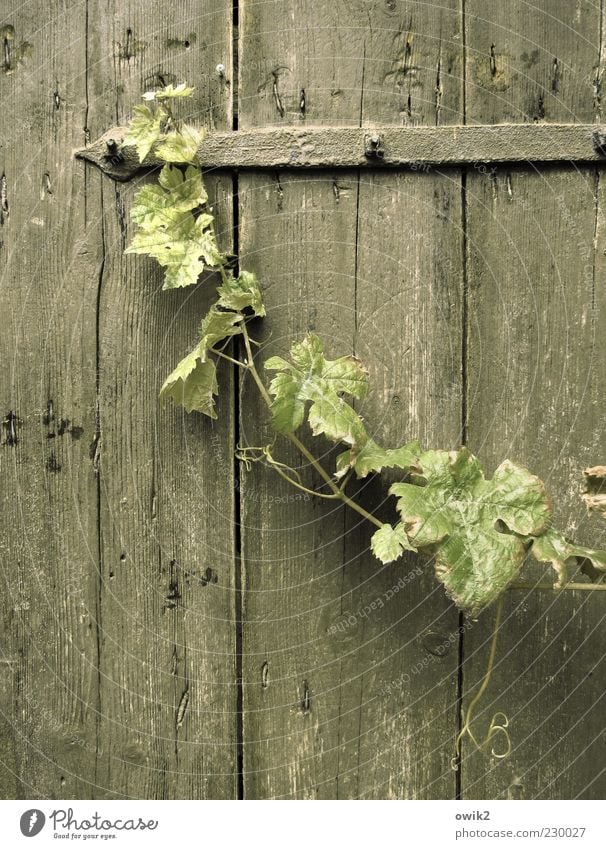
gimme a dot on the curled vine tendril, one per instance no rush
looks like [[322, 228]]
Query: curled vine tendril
[[499, 722], [249, 454], [497, 726]]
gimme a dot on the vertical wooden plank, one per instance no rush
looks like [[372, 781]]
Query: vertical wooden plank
[[167, 657], [48, 539], [399, 686], [535, 390], [339, 655], [532, 62], [299, 240]]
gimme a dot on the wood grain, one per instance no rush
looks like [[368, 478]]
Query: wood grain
[[167, 724], [353, 63], [118, 517], [535, 390], [49, 266], [299, 240], [339, 655], [532, 62], [399, 682]]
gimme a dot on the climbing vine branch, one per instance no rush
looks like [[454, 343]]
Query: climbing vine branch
[[477, 530]]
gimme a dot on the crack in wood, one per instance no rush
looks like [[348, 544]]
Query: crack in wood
[[182, 708], [305, 703], [4, 208], [277, 98], [11, 420]]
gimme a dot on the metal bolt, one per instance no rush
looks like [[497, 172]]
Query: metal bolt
[[113, 152], [220, 69], [374, 146]]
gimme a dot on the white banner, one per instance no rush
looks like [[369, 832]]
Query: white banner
[[274, 825]]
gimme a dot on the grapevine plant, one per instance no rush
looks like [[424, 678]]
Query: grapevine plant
[[477, 530]]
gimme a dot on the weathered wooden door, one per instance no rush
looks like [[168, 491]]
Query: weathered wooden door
[[174, 626]]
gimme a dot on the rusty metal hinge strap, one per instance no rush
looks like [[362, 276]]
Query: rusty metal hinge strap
[[353, 147]]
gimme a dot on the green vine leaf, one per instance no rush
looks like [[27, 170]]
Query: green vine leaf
[[152, 128], [184, 189], [172, 230], [373, 458], [145, 129], [169, 92], [334, 418], [161, 207], [218, 325], [388, 543], [180, 146], [454, 511], [310, 377], [184, 249], [553, 547], [183, 243], [194, 383], [242, 292]]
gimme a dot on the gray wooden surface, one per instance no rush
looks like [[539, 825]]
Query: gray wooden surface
[[535, 387], [153, 647], [119, 571]]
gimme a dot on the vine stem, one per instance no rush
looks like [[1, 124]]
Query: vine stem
[[336, 490], [571, 585], [493, 728], [228, 358], [300, 485]]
